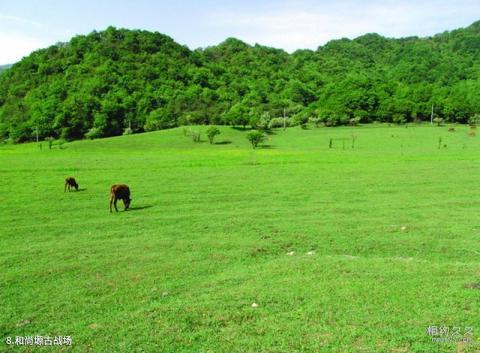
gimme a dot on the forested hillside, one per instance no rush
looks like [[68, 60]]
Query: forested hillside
[[106, 82]]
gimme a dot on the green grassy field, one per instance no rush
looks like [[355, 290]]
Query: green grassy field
[[385, 240]]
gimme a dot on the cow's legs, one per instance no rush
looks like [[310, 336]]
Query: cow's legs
[[111, 201], [115, 204], [65, 188]]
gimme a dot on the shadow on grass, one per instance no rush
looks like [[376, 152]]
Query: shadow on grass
[[223, 143], [265, 147], [240, 128], [139, 208], [82, 189]]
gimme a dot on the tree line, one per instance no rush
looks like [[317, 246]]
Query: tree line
[[121, 81]]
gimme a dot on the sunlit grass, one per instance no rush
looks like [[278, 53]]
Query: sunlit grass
[[383, 241]]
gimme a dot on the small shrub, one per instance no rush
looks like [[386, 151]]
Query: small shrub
[[278, 123], [127, 131], [93, 133], [65, 133], [354, 121], [50, 142], [438, 121], [253, 121], [337, 119], [60, 143], [316, 121], [354, 138], [300, 119], [399, 119], [196, 136], [263, 124], [332, 121], [255, 137], [212, 131], [474, 120]]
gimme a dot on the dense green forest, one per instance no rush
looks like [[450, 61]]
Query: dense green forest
[[121, 81]]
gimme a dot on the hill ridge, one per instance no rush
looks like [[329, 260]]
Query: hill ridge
[[120, 81]]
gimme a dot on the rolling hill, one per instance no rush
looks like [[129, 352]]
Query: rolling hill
[[99, 84]]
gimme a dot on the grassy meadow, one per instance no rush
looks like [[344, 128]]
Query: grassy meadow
[[341, 249]]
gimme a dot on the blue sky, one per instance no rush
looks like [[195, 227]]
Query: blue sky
[[26, 25]]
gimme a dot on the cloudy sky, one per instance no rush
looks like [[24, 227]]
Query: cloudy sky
[[26, 25]]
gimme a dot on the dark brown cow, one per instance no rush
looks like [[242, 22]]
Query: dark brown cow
[[122, 192], [70, 182]]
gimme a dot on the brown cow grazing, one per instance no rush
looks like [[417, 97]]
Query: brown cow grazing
[[70, 182], [452, 129], [122, 192]]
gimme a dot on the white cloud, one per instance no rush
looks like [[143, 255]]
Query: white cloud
[[15, 46], [20, 36], [20, 20], [308, 26]]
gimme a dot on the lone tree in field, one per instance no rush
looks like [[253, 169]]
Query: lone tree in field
[[255, 137], [212, 131], [50, 142], [438, 121]]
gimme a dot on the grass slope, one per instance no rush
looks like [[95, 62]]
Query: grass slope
[[393, 224]]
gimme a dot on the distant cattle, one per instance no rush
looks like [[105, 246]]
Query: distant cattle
[[452, 129], [70, 183], [122, 192]]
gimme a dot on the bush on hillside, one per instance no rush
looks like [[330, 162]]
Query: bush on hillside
[[255, 137], [212, 131], [279, 123]]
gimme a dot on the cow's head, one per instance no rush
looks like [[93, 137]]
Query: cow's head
[[127, 203], [75, 186]]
